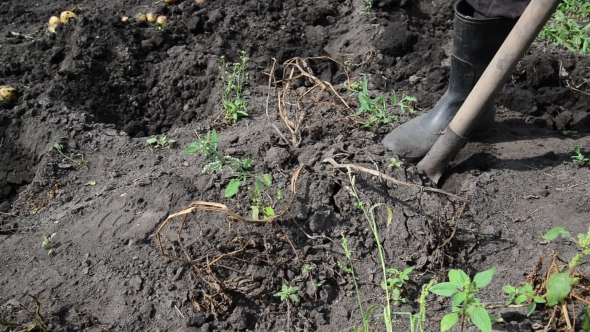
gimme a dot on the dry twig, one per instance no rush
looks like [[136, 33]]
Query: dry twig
[[332, 162]]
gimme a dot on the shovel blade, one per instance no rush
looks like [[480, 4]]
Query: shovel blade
[[442, 152]]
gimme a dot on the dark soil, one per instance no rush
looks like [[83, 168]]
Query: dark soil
[[101, 87]]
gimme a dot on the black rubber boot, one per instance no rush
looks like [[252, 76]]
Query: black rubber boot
[[475, 42]]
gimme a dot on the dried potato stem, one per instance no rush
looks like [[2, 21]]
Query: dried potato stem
[[334, 164], [219, 208], [297, 68]]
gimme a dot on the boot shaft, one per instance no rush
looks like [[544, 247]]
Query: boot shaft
[[475, 42]]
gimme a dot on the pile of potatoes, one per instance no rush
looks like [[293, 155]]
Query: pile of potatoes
[[150, 17], [155, 18], [63, 18]]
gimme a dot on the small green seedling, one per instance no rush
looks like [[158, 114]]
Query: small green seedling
[[241, 174], [406, 102], [523, 294], [560, 284], [26, 86], [466, 308], [368, 6], [234, 81], [288, 293], [161, 27], [48, 243], [307, 269], [395, 163], [208, 146], [395, 283], [259, 195], [417, 319], [160, 142], [76, 158], [355, 86], [578, 157], [376, 111]]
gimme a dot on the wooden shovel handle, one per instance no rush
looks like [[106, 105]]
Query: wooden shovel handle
[[493, 78]]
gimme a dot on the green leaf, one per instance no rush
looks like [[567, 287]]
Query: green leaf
[[555, 233], [527, 287], [458, 278], [539, 299], [246, 163], [232, 188], [293, 297], [152, 141], [91, 183], [268, 180], [481, 319], [389, 216], [408, 271], [509, 289], [191, 149], [268, 211], [495, 319], [520, 299], [367, 313], [444, 289], [448, 321], [484, 278], [459, 299], [558, 288], [531, 308], [280, 294], [258, 185], [279, 194], [255, 212], [365, 103], [214, 137]]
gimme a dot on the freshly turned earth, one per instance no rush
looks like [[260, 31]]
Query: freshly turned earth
[[100, 87]]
